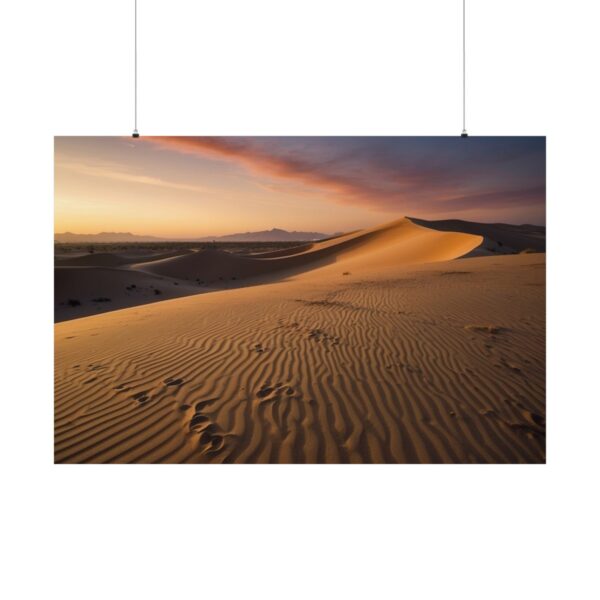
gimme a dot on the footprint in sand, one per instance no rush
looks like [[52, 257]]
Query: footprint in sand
[[534, 425], [491, 329], [534, 418], [531, 431], [264, 391], [198, 421], [318, 335], [278, 391], [141, 397], [509, 365], [199, 418], [170, 381], [210, 440]]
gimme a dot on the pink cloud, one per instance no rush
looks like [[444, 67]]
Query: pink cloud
[[370, 175]]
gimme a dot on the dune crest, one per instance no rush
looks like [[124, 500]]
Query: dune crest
[[398, 242]]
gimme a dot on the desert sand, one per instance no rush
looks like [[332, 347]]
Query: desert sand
[[379, 346]]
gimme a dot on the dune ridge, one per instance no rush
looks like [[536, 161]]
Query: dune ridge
[[400, 241], [385, 351], [182, 273]]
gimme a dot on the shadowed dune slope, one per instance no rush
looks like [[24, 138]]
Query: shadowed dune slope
[[99, 259], [102, 289], [502, 238], [108, 259]]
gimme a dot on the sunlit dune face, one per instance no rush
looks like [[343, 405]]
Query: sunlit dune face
[[196, 186]]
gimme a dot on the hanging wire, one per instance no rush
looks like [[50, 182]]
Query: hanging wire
[[464, 90], [135, 61], [464, 72]]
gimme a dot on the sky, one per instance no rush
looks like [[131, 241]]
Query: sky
[[186, 187]]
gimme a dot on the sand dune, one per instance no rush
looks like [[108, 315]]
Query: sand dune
[[182, 273], [399, 242], [374, 354]]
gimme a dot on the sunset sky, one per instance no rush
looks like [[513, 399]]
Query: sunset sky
[[190, 187]]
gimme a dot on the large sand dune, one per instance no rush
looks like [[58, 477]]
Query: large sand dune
[[399, 242], [372, 347]]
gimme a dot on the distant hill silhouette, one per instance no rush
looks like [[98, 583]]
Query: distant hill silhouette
[[270, 235], [103, 237]]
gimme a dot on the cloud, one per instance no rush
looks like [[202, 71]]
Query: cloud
[[519, 198], [289, 166], [117, 173], [422, 175]]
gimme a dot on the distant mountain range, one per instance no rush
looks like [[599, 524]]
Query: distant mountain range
[[271, 235], [104, 237]]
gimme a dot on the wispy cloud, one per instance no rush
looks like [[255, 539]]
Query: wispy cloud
[[422, 175], [288, 166], [117, 173]]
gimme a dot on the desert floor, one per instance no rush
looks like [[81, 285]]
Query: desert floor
[[381, 346]]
